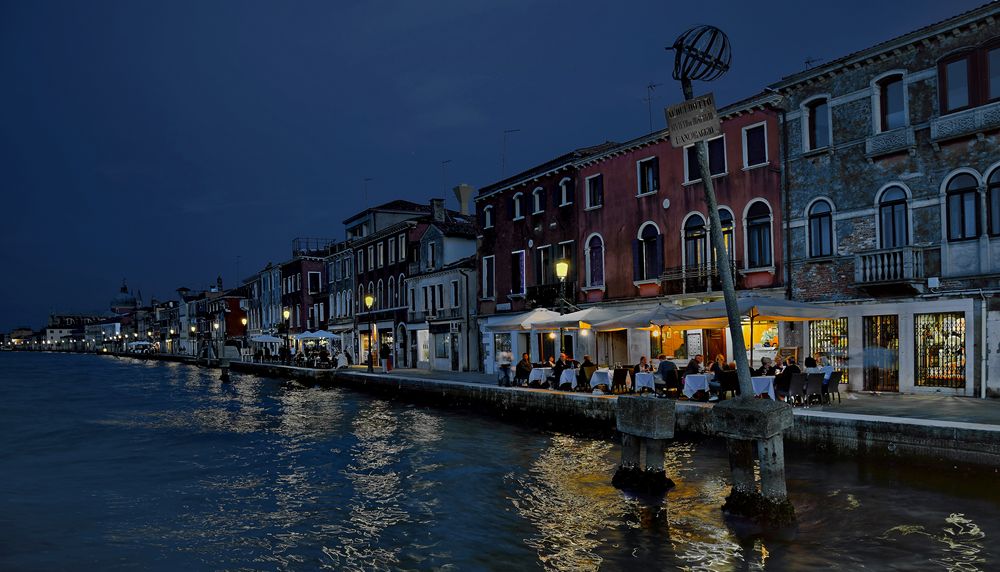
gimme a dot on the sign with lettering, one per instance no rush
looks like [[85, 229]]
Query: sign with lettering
[[693, 120]]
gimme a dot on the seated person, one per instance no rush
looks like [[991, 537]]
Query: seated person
[[766, 368], [562, 364], [826, 369], [642, 366], [783, 380], [717, 367], [694, 366], [810, 364], [523, 369], [667, 371], [581, 375]]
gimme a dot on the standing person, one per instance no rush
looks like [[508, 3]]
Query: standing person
[[523, 369], [383, 353]]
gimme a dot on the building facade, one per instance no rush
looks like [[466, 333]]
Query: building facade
[[893, 193]]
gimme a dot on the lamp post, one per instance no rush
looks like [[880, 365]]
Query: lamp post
[[215, 339], [562, 271], [194, 344], [173, 343], [369, 302], [287, 314], [243, 321]]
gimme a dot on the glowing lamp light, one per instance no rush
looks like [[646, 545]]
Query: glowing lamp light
[[656, 333], [585, 332], [192, 329], [552, 335], [216, 325], [369, 301], [171, 331], [287, 313], [562, 269], [243, 321]]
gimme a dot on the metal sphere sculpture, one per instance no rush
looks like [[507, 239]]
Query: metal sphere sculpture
[[701, 53]]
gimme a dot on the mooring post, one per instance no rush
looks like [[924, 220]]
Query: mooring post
[[771, 452], [224, 364], [645, 423], [741, 465]]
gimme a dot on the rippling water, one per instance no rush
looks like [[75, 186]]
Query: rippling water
[[120, 464]]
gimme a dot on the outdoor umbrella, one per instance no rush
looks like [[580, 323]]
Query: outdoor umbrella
[[643, 319], [581, 319], [524, 321], [265, 339]]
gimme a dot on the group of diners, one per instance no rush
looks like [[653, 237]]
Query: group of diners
[[668, 379]]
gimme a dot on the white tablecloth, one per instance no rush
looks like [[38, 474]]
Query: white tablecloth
[[568, 376], [539, 374], [601, 376], [763, 384], [693, 383], [644, 380]]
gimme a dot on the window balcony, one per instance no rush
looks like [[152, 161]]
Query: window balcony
[[696, 279], [434, 315], [889, 142], [547, 295], [965, 123], [908, 266]]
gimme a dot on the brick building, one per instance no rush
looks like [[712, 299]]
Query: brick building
[[893, 174]]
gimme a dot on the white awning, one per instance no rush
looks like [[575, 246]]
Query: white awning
[[582, 319], [757, 308], [265, 339], [523, 321]]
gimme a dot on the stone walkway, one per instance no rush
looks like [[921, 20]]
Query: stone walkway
[[932, 407]]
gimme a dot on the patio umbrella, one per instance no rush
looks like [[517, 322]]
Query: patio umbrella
[[524, 321], [265, 339], [581, 319], [305, 335], [643, 319]]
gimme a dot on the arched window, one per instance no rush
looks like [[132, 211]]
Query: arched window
[[566, 191], [402, 290], [647, 253], [517, 206], [993, 202], [537, 200], [818, 130], [488, 217], [595, 261], [963, 207], [392, 292], [350, 303], [892, 218], [379, 300], [758, 235], [361, 299], [820, 229], [695, 241], [726, 221]]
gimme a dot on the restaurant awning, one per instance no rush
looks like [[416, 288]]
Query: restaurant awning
[[642, 319], [265, 339], [582, 319], [757, 308], [523, 321]]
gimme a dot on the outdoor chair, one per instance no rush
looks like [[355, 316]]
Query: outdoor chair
[[833, 387], [796, 385], [619, 381], [814, 388], [729, 382]]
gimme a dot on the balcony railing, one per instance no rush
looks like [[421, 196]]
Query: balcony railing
[[892, 265], [695, 278], [547, 295], [964, 123], [438, 314], [894, 141]]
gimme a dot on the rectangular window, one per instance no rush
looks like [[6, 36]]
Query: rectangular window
[[392, 250], [402, 248], [963, 215], [956, 85], [431, 255], [543, 265], [489, 283], [595, 191], [381, 255], [829, 338], [441, 343], [940, 349], [427, 300], [455, 301], [891, 103], [754, 145], [716, 159], [993, 73], [371, 257], [413, 301], [649, 175], [517, 272], [819, 124], [314, 282], [440, 296]]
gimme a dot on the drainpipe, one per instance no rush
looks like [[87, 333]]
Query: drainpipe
[[468, 334], [982, 349]]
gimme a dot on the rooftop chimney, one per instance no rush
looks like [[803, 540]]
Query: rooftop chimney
[[437, 208], [464, 194]]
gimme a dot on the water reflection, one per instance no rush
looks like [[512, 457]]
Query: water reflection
[[960, 542]]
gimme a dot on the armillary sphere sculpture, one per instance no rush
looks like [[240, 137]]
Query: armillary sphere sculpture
[[701, 53]]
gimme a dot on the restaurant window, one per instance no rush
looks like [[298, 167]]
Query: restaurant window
[[758, 235], [649, 175], [880, 352], [544, 269], [940, 349], [891, 102], [647, 252], [595, 261], [963, 207], [829, 338], [488, 217], [820, 229], [694, 241], [993, 202], [517, 285], [755, 145], [817, 114], [537, 200], [441, 343], [489, 284], [392, 250], [595, 191], [716, 159], [566, 192], [892, 218]]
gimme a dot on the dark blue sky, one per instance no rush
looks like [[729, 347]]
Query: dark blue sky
[[158, 141]]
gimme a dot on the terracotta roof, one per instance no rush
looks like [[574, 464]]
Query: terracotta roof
[[544, 168]]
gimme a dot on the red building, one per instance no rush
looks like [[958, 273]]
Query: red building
[[303, 289], [635, 234]]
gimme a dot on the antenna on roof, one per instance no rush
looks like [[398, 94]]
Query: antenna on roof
[[649, 102]]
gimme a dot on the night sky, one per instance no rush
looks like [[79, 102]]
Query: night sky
[[159, 141]]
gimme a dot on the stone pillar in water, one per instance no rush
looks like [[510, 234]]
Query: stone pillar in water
[[224, 364], [645, 424], [745, 422]]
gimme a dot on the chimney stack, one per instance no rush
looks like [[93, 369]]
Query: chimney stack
[[437, 209], [464, 194]]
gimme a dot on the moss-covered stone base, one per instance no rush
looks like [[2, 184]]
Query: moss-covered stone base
[[754, 506], [639, 481]]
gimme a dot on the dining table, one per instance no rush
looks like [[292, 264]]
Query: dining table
[[695, 382], [763, 384], [568, 376], [645, 379], [539, 374]]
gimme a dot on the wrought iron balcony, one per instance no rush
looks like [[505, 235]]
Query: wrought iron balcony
[[695, 278], [547, 295], [438, 314]]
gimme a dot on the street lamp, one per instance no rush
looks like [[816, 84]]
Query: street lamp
[[369, 302], [215, 342], [243, 321], [562, 271], [288, 327]]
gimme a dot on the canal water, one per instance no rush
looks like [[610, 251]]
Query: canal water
[[110, 464]]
